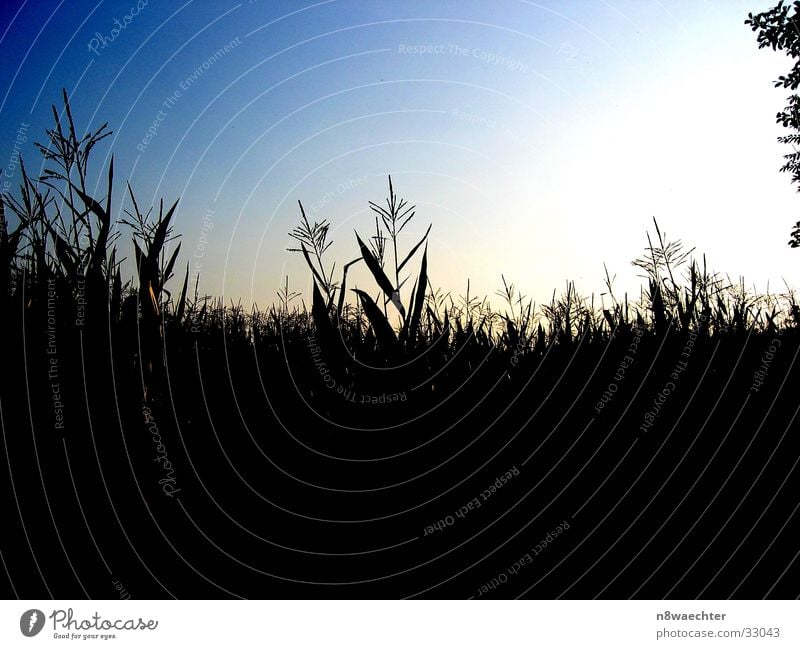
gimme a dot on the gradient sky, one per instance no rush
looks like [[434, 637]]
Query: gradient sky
[[539, 138]]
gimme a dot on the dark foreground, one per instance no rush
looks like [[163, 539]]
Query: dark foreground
[[655, 462]]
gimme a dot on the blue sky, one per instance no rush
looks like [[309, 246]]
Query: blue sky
[[539, 138]]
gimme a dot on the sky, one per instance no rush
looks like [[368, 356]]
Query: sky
[[539, 139]]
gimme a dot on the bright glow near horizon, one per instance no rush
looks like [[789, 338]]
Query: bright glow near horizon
[[539, 138]]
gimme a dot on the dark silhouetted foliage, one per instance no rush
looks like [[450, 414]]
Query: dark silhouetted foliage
[[779, 28]]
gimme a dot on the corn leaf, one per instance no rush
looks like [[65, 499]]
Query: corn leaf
[[116, 296], [140, 259], [343, 287], [170, 265], [407, 322], [319, 312], [92, 204], [419, 297], [65, 255], [384, 334], [414, 249], [153, 301], [182, 300], [160, 235], [380, 277], [310, 265]]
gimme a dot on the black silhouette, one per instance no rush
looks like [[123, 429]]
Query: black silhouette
[[394, 441]]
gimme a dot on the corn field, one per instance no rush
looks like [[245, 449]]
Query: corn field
[[334, 449]]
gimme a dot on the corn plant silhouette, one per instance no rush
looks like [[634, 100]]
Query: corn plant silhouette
[[473, 388], [64, 235], [390, 221]]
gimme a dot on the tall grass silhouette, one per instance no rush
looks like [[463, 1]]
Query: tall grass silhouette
[[357, 423]]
